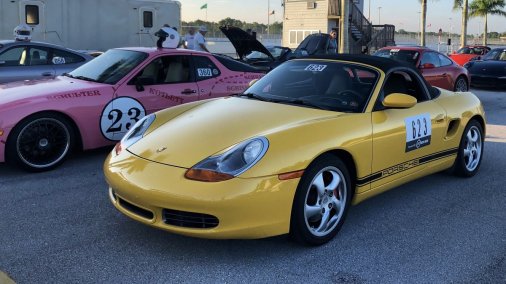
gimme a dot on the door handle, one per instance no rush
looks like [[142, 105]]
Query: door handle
[[188, 92], [46, 74]]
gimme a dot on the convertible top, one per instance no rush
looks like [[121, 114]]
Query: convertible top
[[387, 65]]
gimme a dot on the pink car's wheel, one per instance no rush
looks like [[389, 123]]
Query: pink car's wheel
[[461, 85], [41, 142]]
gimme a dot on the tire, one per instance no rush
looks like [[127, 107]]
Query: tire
[[461, 85], [40, 142], [470, 151], [324, 187]]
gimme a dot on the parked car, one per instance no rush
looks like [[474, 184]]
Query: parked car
[[490, 72], [468, 53], [294, 151], [24, 60], [439, 70], [253, 52], [96, 104]]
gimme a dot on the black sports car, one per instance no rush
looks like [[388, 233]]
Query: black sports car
[[490, 71]]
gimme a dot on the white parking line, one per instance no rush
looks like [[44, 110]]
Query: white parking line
[[496, 133]]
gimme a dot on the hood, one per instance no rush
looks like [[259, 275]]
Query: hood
[[214, 126], [243, 42], [488, 67], [33, 89]]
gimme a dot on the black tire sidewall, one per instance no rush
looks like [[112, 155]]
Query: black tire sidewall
[[298, 227], [11, 148]]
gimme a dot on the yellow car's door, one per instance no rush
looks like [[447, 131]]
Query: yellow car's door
[[405, 140]]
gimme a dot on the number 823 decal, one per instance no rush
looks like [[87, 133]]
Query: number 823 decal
[[418, 131]]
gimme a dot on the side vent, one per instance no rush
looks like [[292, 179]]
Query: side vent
[[453, 126]]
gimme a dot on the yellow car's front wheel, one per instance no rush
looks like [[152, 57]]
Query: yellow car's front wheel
[[321, 201]]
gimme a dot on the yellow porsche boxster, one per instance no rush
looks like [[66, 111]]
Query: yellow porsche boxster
[[294, 151]]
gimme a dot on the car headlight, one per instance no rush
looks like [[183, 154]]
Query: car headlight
[[135, 133], [231, 163]]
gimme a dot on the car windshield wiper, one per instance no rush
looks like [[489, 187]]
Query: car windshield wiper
[[67, 75], [84, 78], [306, 103], [255, 96]]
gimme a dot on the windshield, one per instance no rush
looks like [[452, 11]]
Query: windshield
[[496, 54], [274, 50], [328, 85], [410, 56], [472, 50], [109, 67]]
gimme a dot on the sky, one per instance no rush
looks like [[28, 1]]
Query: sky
[[404, 14]]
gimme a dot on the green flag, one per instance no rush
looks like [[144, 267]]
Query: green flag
[[203, 6]]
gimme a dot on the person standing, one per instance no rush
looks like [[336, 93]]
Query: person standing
[[200, 40], [332, 48], [189, 39]]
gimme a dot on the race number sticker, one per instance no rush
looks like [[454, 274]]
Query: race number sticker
[[315, 68], [119, 116], [204, 72], [418, 132], [58, 60]]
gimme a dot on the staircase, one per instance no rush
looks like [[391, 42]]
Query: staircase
[[366, 36]]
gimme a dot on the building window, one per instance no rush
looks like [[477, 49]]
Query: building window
[[32, 14], [148, 19], [297, 36]]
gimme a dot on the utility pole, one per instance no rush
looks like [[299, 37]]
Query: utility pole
[[379, 15], [268, 16]]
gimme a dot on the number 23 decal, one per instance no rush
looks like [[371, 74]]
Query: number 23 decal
[[119, 115]]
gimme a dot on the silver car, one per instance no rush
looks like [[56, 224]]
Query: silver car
[[22, 60]]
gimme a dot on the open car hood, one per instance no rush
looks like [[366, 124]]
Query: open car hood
[[243, 42]]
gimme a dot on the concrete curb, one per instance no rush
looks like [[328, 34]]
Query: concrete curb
[[5, 279]]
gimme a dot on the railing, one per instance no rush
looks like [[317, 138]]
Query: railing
[[360, 22], [383, 35], [334, 7]]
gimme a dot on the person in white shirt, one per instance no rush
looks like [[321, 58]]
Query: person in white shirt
[[189, 39], [200, 40]]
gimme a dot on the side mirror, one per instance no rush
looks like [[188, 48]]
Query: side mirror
[[398, 100], [252, 82], [140, 82], [427, 66]]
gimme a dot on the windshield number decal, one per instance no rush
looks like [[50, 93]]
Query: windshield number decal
[[58, 60], [394, 50], [204, 72], [315, 68], [418, 132], [119, 116]]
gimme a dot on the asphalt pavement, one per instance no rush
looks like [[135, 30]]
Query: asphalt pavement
[[60, 227]]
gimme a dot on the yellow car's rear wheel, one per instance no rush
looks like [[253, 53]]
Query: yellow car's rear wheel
[[321, 201]]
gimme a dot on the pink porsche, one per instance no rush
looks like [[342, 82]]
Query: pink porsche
[[41, 122]]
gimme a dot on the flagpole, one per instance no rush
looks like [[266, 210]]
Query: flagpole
[[268, 16]]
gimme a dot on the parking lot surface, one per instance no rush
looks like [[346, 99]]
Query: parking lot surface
[[60, 227]]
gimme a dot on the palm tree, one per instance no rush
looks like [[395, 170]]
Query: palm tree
[[482, 8], [464, 5]]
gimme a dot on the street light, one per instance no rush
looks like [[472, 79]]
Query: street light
[[379, 15]]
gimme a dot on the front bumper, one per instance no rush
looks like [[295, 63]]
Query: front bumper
[[244, 208]]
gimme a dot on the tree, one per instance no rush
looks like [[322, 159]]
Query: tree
[[464, 5], [482, 8]]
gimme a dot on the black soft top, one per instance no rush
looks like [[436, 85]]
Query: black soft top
[[387, 65]]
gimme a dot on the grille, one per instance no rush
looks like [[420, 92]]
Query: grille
[[135, 209], [189, 219]]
